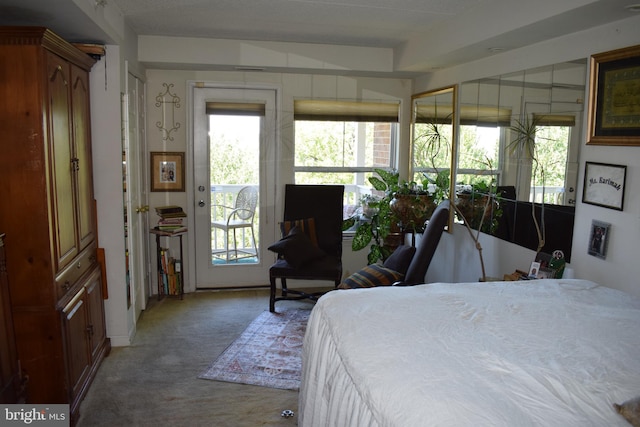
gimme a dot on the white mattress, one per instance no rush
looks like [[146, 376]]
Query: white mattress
[[530, 353]]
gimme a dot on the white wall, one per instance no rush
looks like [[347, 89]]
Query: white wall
[[621, 268], [107, 184], [108, 78], [457, 261], [291, 86]]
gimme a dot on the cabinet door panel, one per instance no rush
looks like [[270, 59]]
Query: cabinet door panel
[[76, 341], [61, 152], [97, 327], [82, 145]]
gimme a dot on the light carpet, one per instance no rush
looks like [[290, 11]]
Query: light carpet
[[268, 353]]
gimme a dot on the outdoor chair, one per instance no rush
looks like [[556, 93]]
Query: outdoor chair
[[241, 215]]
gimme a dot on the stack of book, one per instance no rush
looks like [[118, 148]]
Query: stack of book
[[171, 219], [170, 273]]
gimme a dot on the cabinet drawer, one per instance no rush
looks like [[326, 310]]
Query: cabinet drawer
[[74, 271]]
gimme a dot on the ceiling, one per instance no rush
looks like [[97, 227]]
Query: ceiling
[[424, 34]]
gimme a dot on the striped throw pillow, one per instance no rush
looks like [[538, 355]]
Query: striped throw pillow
[[371, 276]]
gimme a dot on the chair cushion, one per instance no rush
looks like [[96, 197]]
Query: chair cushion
[[307, 225], [328, 267], [400, 259], [297, 248], [371, 276]]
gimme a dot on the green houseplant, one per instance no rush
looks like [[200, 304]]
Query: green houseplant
[[479, 204], [402, 206], [523, 146]]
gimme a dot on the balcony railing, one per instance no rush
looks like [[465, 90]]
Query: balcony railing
[[223, 199], [552, 195]]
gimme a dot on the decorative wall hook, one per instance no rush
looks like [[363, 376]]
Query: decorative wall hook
[[162, 100]]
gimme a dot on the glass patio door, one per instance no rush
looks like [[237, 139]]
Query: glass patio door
[[234, 144]]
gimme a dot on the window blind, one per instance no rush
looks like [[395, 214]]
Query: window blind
[[345, 111], [235, 108]]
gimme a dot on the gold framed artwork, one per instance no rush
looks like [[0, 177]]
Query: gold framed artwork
[[614, 98], [167, 171]]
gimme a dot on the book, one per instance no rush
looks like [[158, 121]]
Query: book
[[168, 209]]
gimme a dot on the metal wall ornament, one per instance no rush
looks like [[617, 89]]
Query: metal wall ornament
[[163, 100]]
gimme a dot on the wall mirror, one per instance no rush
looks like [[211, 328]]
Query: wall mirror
[[519, 138], [433, 134]]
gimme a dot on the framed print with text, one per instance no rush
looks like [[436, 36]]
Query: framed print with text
[[604, 185], [614, 116], [167, 171]]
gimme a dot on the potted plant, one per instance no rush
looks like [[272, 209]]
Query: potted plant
[[377, 226], [412, 206], [524, 147], [401, 206], [479, 204]]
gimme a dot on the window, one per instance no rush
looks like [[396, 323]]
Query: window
[[549, 176], [340, 142]]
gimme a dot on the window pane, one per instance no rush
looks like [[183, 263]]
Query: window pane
[[549, 174], [344, 153], [479, 154], [353, 192], [342, 144]]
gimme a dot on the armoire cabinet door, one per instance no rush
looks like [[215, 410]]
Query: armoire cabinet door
[[61, 153], [96, 327], [74, 319], [83, 162]]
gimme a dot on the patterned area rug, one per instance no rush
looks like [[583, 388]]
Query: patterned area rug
[[268, 353]]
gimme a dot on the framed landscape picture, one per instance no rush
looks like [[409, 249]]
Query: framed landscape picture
[[614, 117]]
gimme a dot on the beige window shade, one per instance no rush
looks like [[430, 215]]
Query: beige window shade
[[347, 111], [482, 115], [430, 113], [235, 109], [554, 119], [478, 115]]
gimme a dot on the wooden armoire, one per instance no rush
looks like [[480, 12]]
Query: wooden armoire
[[48, 214]]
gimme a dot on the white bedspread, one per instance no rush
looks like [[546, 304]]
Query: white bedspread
[[531, 353]]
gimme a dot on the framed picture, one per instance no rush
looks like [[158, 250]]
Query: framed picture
[[599, 239], [604, 185], [545, 273], [533, 270], [167, 171], [614, 118]]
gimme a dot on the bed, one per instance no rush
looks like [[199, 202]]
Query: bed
[[529, 353]]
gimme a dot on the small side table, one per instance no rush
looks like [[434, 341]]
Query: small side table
[[163, 269]]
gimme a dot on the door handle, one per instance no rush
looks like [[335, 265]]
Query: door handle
[[201, 203]]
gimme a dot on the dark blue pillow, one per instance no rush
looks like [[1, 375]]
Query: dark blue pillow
[[400, 259], [297, 248]]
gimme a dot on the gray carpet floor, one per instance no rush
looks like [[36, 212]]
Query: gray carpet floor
[[154, 381]]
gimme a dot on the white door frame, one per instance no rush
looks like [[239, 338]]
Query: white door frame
[[268, 178]]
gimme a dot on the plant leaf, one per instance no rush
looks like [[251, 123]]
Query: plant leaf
[[377, 183], [362, 237]]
